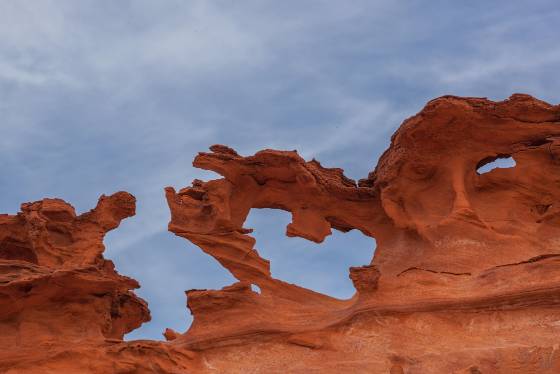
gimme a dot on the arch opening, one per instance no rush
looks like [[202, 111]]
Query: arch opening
[[320, 267], [498, 162]]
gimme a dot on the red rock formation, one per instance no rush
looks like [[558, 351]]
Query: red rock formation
[[63, 308], [465, 277]]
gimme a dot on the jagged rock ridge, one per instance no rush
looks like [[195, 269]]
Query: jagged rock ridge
[[464, 279]]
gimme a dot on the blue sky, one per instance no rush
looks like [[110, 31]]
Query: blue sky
[[101, 96]]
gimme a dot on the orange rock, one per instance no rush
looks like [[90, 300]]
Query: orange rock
[[63, 308], [465, 277]]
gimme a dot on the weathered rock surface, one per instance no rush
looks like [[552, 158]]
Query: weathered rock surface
[[465, 277], [63, 308]]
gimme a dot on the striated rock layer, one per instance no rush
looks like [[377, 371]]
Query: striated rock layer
[[465, 277]]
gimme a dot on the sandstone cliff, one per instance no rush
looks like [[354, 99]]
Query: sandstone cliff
[[465, 277]]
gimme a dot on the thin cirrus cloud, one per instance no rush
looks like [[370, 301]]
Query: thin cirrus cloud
[[101, 96]]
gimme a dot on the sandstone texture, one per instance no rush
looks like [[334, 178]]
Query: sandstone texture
[[465, 277]]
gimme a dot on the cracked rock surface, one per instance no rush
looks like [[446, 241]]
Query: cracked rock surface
[[465, 277]]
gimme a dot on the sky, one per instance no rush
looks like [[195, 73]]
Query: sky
[[101, 96]]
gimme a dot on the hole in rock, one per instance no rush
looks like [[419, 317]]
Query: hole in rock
[[165, 265], [320, 267], [255, 288], [491, 163]]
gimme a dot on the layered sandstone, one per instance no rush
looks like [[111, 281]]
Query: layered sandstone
[[63, 307], [465, 277]]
